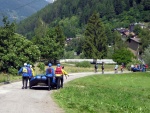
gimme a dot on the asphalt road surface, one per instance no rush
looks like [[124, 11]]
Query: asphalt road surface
[[13, 99]]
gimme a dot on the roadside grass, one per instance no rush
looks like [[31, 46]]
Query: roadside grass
[[9, 77], [118, 93]]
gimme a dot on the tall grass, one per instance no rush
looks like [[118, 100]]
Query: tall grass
[[125, 93], [9, 77]]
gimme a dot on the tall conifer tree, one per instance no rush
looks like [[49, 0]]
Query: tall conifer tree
[[95, 45]]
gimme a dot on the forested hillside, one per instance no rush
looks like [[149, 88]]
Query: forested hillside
[[20, 9], [89, 26], [73, 15]]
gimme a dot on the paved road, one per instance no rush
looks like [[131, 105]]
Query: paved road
[[13, 99]]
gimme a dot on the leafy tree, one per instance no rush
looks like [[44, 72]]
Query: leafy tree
[[52, 44], [146, 55], [122, 56], [109, 9], [95, 45], [70, 26], [118, 42], [118, 6], [69, 54], [15, 49], [75, 45], [146, 4], [144, 35]]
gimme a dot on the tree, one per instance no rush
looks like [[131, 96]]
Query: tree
[[75, 45], [118, 6], [146, 55], [15, 49], [118, 42], [144, 36], [52, 44], [123, 56], [70, 26], [95, 45], [146, 4]]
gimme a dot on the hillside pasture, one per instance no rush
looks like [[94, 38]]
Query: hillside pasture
[[120, 93]]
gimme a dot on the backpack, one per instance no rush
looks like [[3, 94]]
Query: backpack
[[29, 71], [49, 70], [24, 70], [58, 70]]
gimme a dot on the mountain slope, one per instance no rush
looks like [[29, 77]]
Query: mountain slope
[[20, 9]]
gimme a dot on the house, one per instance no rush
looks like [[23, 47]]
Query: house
[[133, 44], [131, 26], [131, 39]]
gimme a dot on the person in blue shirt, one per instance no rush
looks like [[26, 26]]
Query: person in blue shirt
[[50, 74], [25, 76], [29, 72]]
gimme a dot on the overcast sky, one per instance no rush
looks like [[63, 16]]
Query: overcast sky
[[50, 0]]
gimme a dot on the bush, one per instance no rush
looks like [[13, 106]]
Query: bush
[[83, 64], [123, 56], [12, 71], [41, 65]]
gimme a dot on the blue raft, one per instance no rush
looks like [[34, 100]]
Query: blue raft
[[41, 80]]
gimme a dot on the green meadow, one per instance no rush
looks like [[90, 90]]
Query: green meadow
[[120, 93]]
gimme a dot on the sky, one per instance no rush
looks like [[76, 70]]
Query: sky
[[50, 1]]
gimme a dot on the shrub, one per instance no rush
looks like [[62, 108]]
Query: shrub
[[12, 70], [41, 65], [83, 64]]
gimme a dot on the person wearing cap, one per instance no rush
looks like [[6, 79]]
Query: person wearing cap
[[50, 73], [25, 76], [58, 74], [29, 72]]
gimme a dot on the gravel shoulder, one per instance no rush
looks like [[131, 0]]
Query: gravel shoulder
[[17, 100]]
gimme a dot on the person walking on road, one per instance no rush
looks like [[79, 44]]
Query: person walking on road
[[50, 73], [96, 67], [116, 68], [33, 72], [25, 75], [102, 67], [122, 67], [58, 73], [62, 77], [30, 73]]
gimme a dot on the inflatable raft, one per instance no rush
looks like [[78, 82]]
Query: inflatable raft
[[41, 80]]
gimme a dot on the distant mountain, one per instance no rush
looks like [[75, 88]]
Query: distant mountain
[[20, 9]]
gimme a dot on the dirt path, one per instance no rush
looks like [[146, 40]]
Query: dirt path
[[15, 100]]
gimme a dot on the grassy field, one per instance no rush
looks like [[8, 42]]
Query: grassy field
[[125, 93]]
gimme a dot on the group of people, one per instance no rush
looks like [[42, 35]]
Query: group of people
[[139, 67], [27, 73], [102, 67], [56, 74], [121, 67], [52, 74], [115, 68]]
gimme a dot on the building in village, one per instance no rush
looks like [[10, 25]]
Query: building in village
[[131, 39]]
